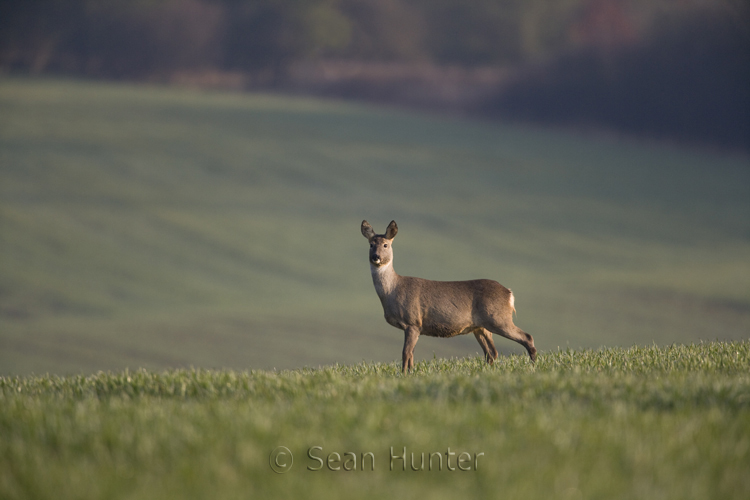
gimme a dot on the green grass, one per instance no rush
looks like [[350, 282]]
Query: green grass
[[153, 227], [643, 422]]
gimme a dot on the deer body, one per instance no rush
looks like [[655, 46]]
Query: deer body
[[440, 308]]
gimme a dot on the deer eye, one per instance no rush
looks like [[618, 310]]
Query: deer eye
[[385, 245]]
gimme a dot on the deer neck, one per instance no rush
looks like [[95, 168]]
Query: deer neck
[[384, 278]]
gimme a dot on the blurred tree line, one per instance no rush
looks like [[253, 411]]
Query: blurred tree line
[[133, 38], [610, 44]]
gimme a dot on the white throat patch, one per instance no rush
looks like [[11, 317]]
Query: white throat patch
[[381, 269]]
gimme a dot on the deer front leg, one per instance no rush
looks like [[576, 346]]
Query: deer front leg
[[411, 335]]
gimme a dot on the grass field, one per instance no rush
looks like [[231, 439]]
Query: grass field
[[637, 423], [160, 228]]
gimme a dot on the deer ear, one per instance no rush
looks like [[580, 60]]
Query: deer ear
[[367, 230], [390, 233]]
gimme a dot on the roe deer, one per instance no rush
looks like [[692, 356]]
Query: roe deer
[[440, 308]]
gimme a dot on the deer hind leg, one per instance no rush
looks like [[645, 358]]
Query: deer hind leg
[[484, 337], [411, 335], [479, 334], [512, 332]]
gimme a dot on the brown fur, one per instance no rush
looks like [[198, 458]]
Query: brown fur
[[440, 308]]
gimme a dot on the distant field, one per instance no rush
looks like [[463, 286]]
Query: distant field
[[152, 227], [638, 423]]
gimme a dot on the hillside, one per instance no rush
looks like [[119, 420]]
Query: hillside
[[150, 227]]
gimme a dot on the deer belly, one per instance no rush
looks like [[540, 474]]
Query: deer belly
[[446, 319], [445, 330]]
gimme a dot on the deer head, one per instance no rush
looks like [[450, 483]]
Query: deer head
[[381, 249]]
